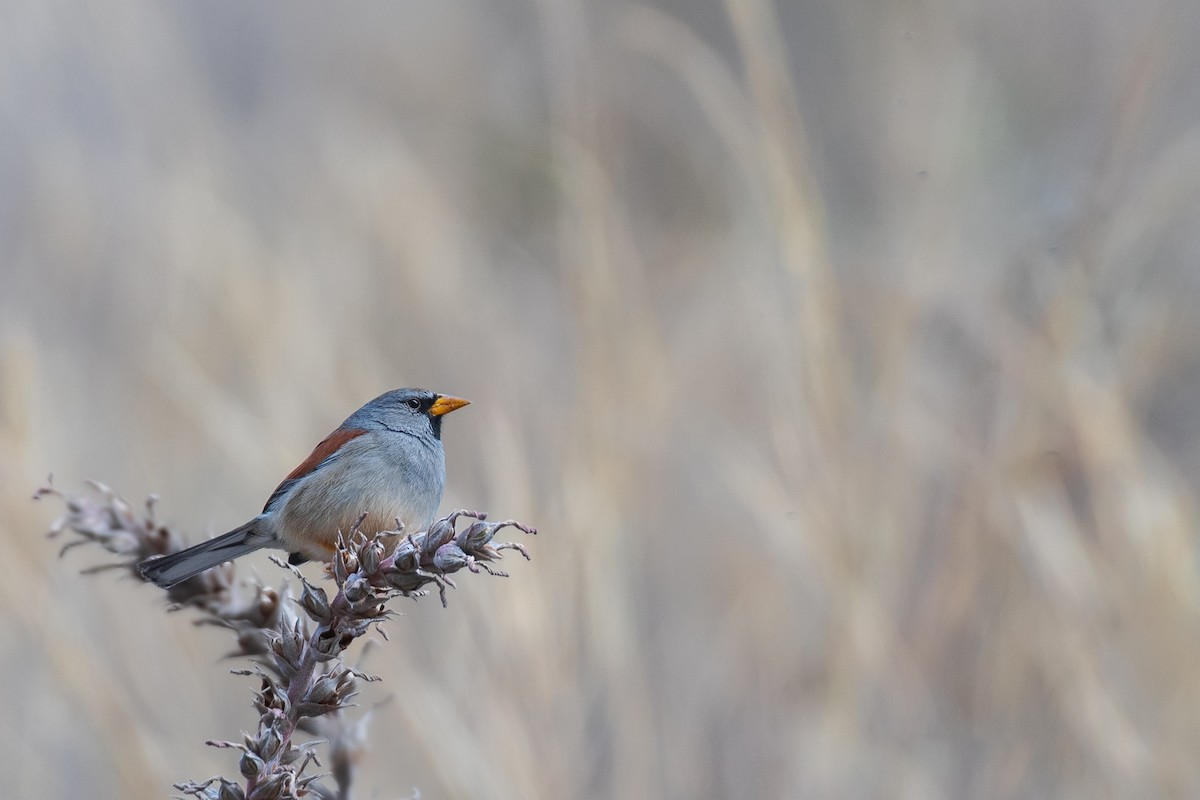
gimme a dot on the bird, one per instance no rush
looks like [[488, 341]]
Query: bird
[[385, 462]]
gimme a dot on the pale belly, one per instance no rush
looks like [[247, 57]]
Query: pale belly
[[319, 508]]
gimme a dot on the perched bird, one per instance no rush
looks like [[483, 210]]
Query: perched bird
[[385, 461]]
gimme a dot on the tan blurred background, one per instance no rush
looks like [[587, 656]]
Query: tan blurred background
[[845, 354]]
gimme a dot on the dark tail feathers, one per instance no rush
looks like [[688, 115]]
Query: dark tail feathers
[[168, 570]]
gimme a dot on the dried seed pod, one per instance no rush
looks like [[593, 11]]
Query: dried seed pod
[[270, 698]]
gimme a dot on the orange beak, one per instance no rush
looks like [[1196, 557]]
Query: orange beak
[[445, 404]]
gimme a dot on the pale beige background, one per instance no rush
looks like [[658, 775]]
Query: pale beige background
[[844, 352]]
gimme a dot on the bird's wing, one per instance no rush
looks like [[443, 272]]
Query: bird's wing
[[326, 451]]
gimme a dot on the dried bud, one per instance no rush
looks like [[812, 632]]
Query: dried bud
[[407, 556], [230, 791], [476, 535], [316, 603], [407, 582], [370, 556], [356, 589], [251, 765], [449, 558], [438, 534], [272, 788], [288, 645], [268, 743], [323, 690]]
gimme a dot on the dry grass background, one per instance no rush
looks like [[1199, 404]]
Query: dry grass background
[[844, 353]]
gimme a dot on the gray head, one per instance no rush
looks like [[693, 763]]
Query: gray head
[[417, 412]]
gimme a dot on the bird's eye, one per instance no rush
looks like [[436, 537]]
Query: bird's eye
[[413, 403]]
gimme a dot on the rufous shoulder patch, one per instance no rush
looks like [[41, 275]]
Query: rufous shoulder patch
[[328, 446]]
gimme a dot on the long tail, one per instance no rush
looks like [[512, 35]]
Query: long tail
[[166, 571]]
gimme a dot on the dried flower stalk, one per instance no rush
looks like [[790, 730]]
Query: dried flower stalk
[[304, 685]]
